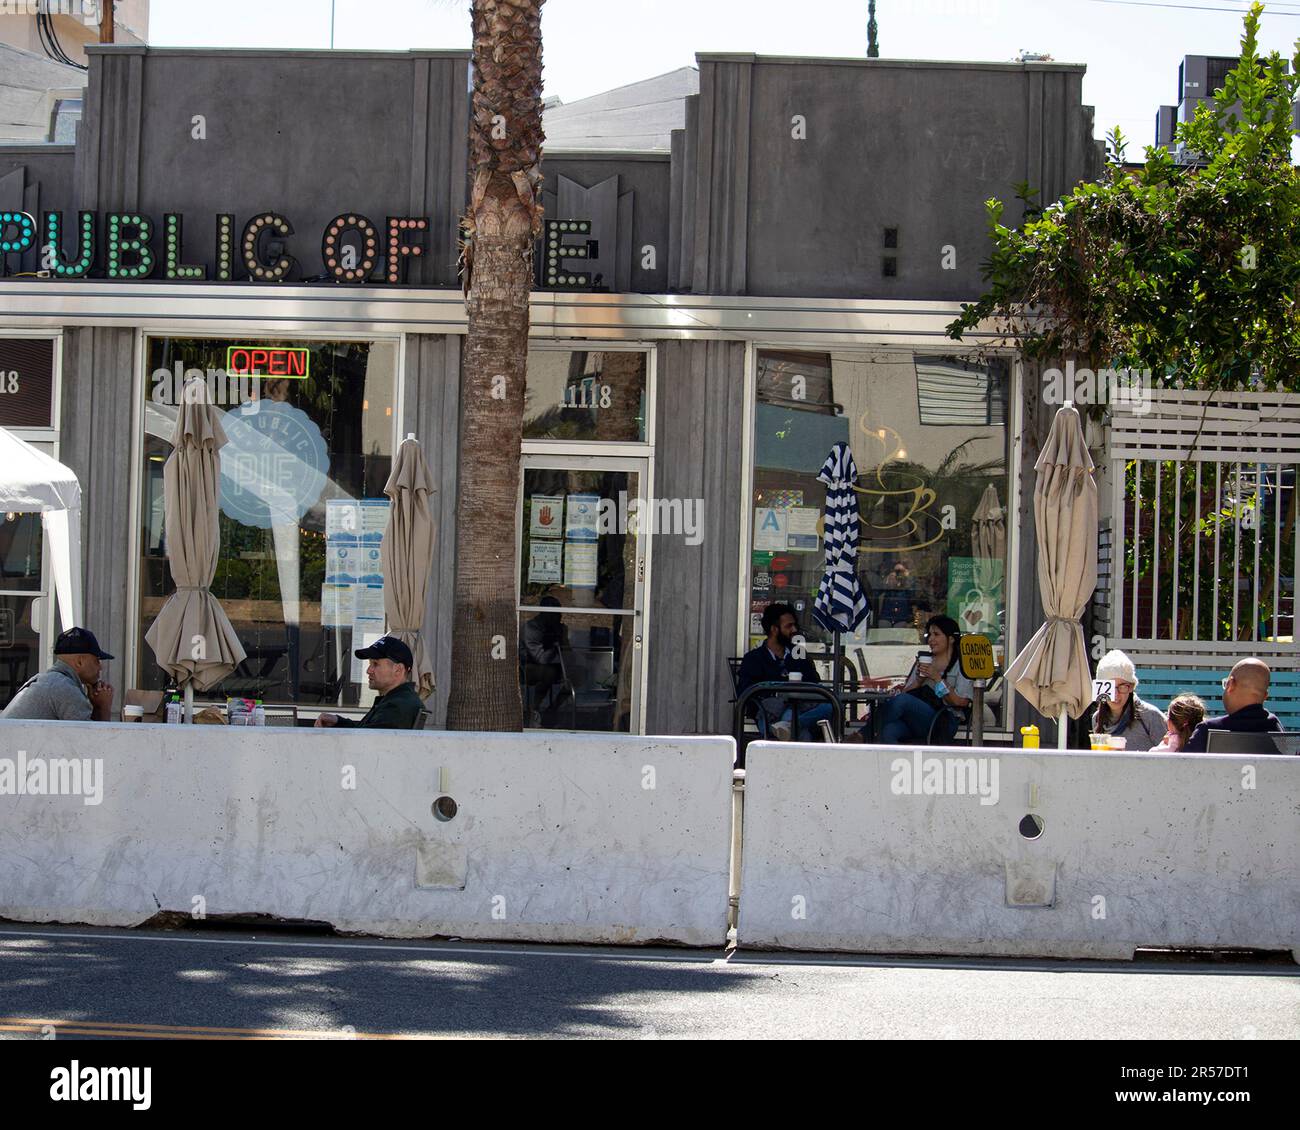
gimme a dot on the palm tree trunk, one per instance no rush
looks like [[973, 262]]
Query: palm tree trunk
[[505, 215]]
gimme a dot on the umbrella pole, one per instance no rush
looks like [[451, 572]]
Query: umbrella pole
[[1060, 729], [189, 701], [837, 657]]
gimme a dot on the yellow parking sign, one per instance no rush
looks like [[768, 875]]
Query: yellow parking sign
[[976, 657]]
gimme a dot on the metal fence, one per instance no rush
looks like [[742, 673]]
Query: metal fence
[[1202, 539]]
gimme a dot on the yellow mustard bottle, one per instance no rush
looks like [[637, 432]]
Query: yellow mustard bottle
[[1029, 737]]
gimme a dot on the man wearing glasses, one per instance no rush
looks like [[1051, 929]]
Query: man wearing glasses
[[1244, 692]]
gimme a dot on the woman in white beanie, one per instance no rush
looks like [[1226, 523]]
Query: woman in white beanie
[[1126, 716]]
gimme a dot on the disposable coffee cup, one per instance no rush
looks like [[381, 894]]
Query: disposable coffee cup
[[795, 676], [133, 714], [925, 657]]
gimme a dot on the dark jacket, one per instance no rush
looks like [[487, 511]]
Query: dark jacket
[[399, 709], [1252, 719], [761, 666]]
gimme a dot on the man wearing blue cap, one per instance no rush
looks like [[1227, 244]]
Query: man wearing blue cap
[[398, 705], [71, 690]]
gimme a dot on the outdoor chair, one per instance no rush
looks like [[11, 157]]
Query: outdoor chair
[[1233, 741], [759, 719], [950, 732], [556, 691], [592, 682]]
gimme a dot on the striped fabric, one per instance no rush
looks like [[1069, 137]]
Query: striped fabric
[[840, 605]]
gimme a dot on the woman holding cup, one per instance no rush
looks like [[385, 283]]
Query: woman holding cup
[[935, 682]]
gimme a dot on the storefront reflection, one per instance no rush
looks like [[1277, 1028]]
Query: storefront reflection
[[929, 437], [297, 448]]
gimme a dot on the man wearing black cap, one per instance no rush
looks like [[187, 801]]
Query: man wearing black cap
[[71, 690], [398, 705]]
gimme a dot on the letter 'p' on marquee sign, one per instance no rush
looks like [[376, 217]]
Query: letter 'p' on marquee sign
[[26, 382]]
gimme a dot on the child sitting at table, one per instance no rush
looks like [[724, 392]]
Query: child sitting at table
[[1186, 712]]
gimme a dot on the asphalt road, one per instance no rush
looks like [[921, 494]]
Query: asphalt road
[[88, 981]]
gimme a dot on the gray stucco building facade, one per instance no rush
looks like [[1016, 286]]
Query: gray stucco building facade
[[778, 280]]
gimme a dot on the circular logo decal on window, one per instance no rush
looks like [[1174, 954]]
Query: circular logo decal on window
[[273, 470]]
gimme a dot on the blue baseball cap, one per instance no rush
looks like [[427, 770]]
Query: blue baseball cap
[[79, 641]]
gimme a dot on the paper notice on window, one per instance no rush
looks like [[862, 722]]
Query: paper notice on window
[[367, 604], [370, 564], [336, 606], [342, 563], [580, 564], [545, 562], [546, 516], [374, 518], [771, 528], [801, 530], [342, 519], [583, 518], [803, 520], [365, 630]]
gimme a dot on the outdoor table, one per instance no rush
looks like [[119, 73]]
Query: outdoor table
[[793, 691], [869, 697]]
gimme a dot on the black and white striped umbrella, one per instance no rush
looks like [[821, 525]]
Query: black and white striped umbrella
[[840, 605]]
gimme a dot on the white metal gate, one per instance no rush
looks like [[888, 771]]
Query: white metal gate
[[1202, 533]]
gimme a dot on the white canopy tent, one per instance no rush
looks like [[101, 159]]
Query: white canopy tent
[[31, 482]]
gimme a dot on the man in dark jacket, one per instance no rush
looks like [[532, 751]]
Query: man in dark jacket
[[398, 705], [774, 660], [1244, 692]]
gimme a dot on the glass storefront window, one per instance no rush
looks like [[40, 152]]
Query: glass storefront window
[[930, 439], [586, 395], [309, 443], [20, 586]]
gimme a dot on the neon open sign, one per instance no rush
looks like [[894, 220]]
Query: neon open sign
[[268, 361]]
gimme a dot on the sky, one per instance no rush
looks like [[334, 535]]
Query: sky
[[1132, 48]]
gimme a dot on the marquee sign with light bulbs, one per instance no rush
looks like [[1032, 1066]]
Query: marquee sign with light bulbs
[[353, 250]]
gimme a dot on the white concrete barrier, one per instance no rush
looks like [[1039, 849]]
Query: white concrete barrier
[[893, 850], [554, 837]]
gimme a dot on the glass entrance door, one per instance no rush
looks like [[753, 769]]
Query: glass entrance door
[[581, 592], [25, 613]]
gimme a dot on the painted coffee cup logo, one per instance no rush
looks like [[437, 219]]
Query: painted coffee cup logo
[[896, 514]]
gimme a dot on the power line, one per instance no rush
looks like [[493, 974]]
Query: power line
[[1188, 7], [50, 41]]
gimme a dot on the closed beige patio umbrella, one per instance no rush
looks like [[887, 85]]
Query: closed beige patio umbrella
[[408, 555], [988, 535], [1052, 671], [192, 638]]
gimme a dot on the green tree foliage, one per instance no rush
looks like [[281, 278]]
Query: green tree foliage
[[1190, 270]]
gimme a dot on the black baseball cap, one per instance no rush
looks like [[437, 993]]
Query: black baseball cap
[[81, 641], [388, 647]]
